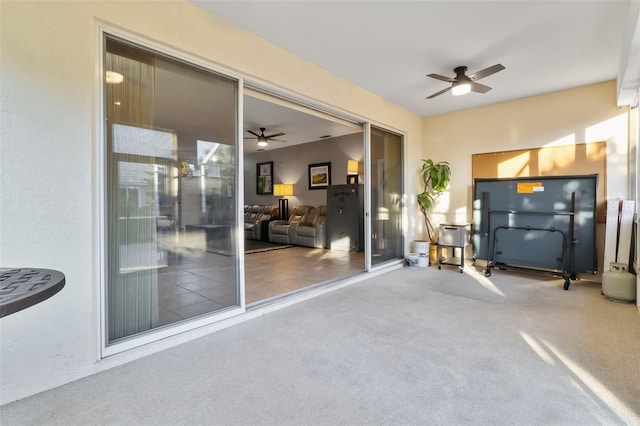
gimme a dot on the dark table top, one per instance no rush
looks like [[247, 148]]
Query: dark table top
[[24, 287]]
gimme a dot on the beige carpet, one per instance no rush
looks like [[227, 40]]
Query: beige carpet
[[513, 289], [410, 347]]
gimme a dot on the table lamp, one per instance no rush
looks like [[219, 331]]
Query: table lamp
[[352, 171], [283, 190]]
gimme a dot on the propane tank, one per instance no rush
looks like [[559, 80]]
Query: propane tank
[[618, 284]]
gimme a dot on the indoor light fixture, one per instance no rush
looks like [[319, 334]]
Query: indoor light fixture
[[352, 167], [283, 190], [113, 77], [461, 89], [262, 143], [352, 171]]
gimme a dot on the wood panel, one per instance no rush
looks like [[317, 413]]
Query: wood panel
[[564, 160]]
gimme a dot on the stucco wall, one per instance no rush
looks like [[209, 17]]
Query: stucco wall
[[49, 164]]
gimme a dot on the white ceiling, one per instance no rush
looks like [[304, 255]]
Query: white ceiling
[[388, 47], [299, 126]]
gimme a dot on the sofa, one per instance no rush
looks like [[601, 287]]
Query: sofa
[[256, 220], [312, 232], [284, 231]]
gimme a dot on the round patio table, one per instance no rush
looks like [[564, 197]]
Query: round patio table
[[24, 287]]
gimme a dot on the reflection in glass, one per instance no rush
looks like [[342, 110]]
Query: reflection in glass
[[171, 215]]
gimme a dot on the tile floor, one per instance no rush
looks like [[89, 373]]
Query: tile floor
[[196, 282], [276, 272]]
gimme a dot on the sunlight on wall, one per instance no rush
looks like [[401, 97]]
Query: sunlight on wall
[[566, 140], [443, 203], [596, 152], [562, 156], [612, 130], [516, 166], [615, 132], [412, 218], [461, 215]]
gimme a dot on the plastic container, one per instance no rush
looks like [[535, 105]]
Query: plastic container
[[422, 248], [411, 260]]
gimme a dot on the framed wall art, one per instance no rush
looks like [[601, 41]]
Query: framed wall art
[[264, 180], [319, 175]]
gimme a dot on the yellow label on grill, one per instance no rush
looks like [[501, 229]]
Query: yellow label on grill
[[529, 187]]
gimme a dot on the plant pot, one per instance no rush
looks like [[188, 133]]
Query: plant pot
[[433, 254]]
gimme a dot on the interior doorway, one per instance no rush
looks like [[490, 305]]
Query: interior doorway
[[305, 140]]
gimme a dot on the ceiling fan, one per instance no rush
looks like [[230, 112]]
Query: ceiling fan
[[462, 83], [264, 140]]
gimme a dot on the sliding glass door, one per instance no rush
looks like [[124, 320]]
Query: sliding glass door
[[171, 191], [386, 196]]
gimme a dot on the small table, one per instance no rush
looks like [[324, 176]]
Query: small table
[[24, 287]]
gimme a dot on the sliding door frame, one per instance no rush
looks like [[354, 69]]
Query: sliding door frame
[[100, 202], [368, 197], [100, 179]]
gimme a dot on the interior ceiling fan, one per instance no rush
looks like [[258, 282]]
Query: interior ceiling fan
[[462, 83], [264, 140]]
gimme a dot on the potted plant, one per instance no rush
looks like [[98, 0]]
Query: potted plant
[[435, 179]]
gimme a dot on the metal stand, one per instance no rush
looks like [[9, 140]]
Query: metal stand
[[459, 262], [564, 273]]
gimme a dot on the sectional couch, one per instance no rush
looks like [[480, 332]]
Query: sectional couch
[[256, 220]]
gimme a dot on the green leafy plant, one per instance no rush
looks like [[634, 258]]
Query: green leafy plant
[[435, 178]]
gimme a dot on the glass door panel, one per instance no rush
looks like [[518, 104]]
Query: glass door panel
[[171, 191], [386, 196]]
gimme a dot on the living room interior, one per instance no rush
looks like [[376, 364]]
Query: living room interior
[[304, 137], [273, 267]]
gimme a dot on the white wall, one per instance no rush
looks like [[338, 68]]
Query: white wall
[[49, 166]]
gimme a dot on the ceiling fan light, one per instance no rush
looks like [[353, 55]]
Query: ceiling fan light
[[461, 89], [113, 77], [262, 143]]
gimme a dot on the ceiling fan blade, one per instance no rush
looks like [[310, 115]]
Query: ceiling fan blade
[[278, 140], [275, 135], [479, 88], [441, 77], [440, 92], [486, 72], [253, 133]]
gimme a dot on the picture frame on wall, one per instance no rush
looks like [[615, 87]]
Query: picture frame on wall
[[319, 175], [264, 178]]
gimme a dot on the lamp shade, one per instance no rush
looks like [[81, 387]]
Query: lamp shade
[[282, 189], [352, 167]]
